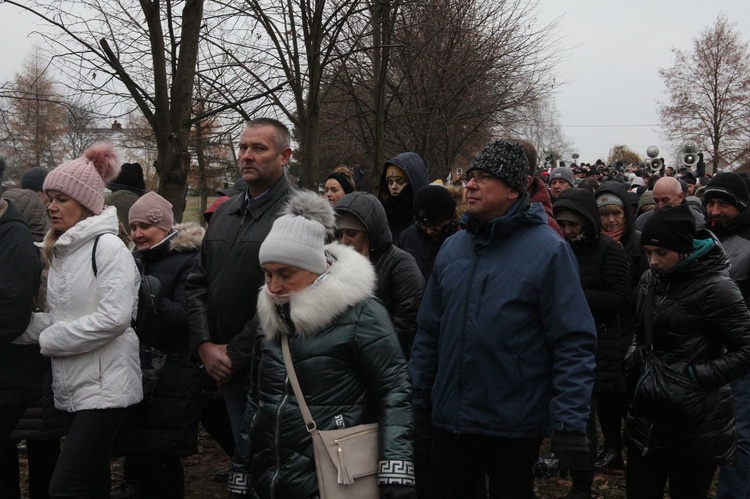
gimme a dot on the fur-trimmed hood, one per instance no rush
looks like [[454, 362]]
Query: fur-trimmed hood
[[350, 279], [188, 237], [184, 238]]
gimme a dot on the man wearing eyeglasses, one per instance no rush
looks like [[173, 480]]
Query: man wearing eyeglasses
[[504, 351]]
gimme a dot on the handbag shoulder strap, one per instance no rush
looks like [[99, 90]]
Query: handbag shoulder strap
[[287, 354]]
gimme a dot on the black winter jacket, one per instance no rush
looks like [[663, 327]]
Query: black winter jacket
[[637, 265], [699, 314], [605, 280], [399, 281], [422, 247], [223, 286], [735, 238], [22, 372], [350, 369], [631, 238], [167, 423]]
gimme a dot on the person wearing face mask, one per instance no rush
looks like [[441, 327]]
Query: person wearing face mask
[[605, 279], [693, 319], [362, 224], [164, 427], [344, 350], [435, 211]]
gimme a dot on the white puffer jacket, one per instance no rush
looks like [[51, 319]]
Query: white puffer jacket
[[95, 362]]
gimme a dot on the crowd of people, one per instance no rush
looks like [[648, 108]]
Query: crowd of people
[[470, 319]]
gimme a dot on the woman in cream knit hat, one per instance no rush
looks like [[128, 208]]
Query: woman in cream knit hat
[[344, 350]]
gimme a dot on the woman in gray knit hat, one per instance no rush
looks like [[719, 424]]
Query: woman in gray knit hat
[[344, 350]]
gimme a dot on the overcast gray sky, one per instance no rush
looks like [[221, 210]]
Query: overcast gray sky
[[610, 83], [615, 50]]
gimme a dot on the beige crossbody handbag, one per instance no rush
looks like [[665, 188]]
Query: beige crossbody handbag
[[346, 460]]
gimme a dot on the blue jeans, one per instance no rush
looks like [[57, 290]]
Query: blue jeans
[[734, 479], [235, 397], [83, 466]]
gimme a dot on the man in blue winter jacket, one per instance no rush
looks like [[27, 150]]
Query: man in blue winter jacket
[[504, 351]]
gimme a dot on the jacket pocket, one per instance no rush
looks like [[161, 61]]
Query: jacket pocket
[[664, 392]]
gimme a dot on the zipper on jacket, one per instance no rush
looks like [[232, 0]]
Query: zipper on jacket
[[221, 285], [661, 302], [234, 242], [648, 440], [481, 293], [277, 437], [475, 266]]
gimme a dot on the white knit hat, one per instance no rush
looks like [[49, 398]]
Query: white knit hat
[[298, 237]]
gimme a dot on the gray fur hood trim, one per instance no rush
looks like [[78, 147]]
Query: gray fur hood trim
[[188, 237], [349, 280]]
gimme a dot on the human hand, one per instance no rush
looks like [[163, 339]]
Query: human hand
[[397, 492], [571, 447], [215, 360]]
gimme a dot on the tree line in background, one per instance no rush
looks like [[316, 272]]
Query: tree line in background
[[359, 81], [708, 91]]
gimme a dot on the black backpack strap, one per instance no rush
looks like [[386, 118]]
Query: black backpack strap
[[93, 254]]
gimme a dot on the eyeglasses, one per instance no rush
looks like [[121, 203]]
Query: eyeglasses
[[481, 178]]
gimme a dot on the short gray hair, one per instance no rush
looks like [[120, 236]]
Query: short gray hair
[[281, 137]]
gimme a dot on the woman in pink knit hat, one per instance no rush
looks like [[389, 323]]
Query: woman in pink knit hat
[[92, 297], [164, 427]]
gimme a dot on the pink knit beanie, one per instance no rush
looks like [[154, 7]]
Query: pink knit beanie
[[154, 210], [85, 178]]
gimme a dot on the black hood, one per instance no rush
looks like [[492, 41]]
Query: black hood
[[369, 210], [414, 168], [580, 202]]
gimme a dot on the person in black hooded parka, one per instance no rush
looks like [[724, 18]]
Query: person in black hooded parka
[[617, 222], [361, 223], [605, 280], [700, 327], [402, 177]]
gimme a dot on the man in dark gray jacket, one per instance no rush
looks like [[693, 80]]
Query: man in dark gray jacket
[[223, 287]]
